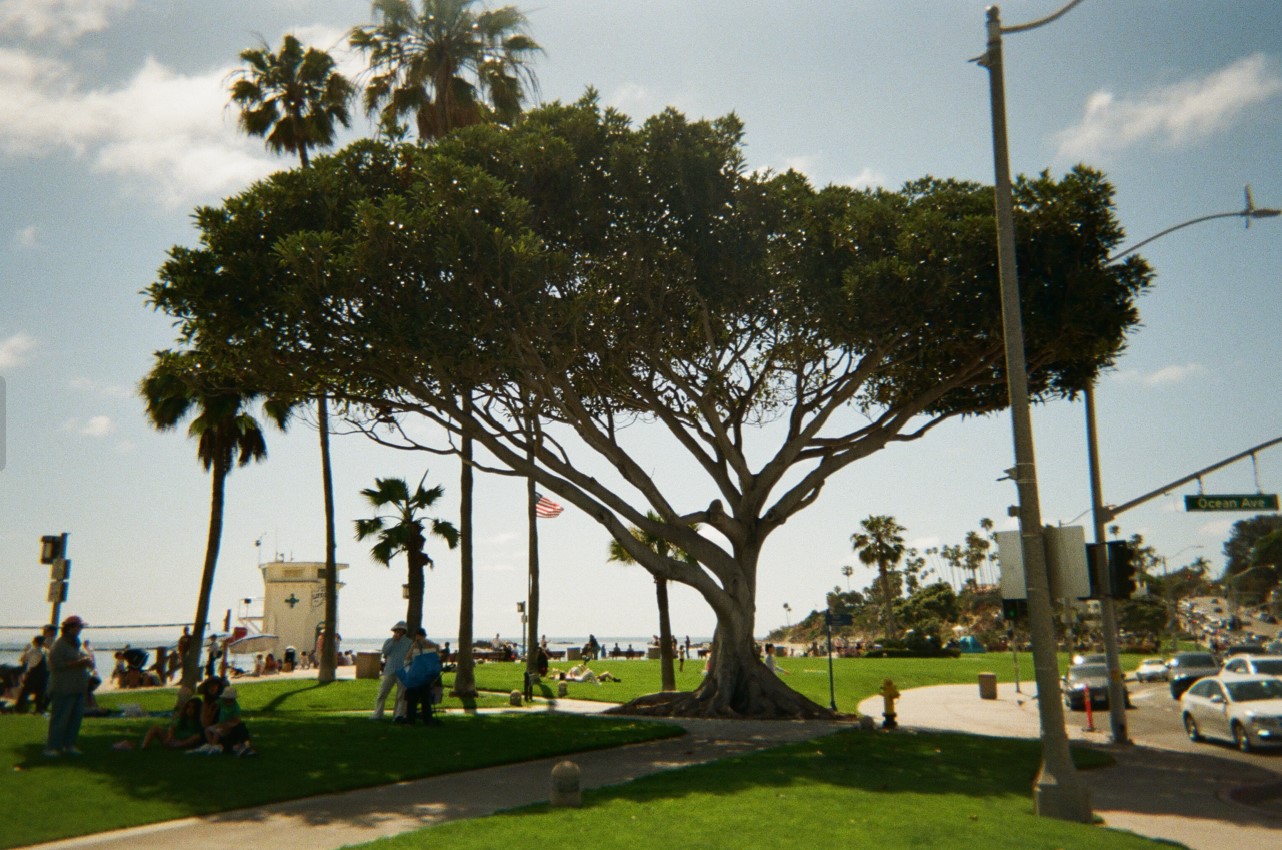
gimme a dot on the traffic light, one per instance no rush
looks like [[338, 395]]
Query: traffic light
[[1121, 569], [1096, 566], [1015, 609], [52, 547]]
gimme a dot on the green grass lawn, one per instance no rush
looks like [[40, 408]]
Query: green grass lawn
[[268, 695], [854, 679], [847, 790], [305, 748]]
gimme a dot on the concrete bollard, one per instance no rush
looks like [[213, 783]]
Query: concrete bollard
[[566, 788], [866, 723], [515, 698], [562, 689], [988, 686]]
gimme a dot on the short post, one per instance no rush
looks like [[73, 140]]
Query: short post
[[566, 785], [889, 693], [515, 699], [562, 689], [1090, 712]]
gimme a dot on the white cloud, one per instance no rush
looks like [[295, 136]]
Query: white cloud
[[97, 426], [101, 389], [865, 179], [28, 237], [13, 350], [59, 20], [1175, 374], [1178, 114], [168, 134]]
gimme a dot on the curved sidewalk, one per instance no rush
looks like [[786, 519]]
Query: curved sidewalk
[[353, 817], [1187, 797]]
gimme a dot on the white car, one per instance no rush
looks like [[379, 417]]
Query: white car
[[1262, 665], [1151, 670], [1246, 710]]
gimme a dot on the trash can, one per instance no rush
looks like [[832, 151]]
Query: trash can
[[367, 664], [988, 686], [574, 653], [653, 653]]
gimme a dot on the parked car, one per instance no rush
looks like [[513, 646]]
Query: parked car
[[1246, 710], [1088, 679], [1093, 658], [1185, 668], [1151, 670], [1254, 665]]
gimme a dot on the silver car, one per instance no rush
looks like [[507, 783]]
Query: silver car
[[1246, 710]]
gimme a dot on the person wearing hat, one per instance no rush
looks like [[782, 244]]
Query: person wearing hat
[[229, 734], [394, 650], [69, 671]]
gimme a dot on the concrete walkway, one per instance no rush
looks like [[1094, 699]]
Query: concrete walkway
[[1203, 801]]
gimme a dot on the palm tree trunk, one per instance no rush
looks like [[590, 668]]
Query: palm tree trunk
[[414, 608], [464, 675], [329, 655], [668, 675], [191, 664], [532, 591]]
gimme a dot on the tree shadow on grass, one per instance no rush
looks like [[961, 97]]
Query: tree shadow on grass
[[300, 755]]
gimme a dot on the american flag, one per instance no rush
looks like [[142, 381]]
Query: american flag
[[545, 508]]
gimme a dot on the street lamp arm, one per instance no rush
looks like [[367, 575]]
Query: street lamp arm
[[1110, 513], [1051, 18], [1249, 213]]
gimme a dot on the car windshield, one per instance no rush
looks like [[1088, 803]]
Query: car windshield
[[1193, 659], [1269, 666], [1255, 689], [1088, 671], [1151, 662]]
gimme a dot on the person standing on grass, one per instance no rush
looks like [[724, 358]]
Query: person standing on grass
[[394, 651], [35, 675], [69, 671]]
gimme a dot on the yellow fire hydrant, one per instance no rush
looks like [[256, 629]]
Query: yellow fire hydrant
[[889, 693]]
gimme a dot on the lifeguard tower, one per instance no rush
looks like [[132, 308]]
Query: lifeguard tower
[[294, 601]]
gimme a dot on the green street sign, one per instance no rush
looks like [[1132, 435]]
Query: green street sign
[[1255, 502]]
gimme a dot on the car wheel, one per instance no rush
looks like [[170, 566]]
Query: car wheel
[[1241, 738], [1190, 726]]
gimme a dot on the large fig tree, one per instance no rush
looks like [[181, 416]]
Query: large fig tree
[[610, 276]]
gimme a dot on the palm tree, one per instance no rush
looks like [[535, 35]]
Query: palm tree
[[293, 99], [447, 63], [847, 571], [227, 434], [450, 65], [881, 543], [403, 530], [660, 547]]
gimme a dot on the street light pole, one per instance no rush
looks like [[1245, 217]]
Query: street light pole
[[1101, 514], [1058, 790]]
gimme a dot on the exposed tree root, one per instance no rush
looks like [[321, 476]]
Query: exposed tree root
[[778, 703]]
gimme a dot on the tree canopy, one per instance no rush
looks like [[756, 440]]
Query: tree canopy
[[597, 273]]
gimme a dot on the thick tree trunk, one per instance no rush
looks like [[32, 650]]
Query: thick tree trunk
[[329, 650], [737, 684], [667, 673], [464, 676], [191, 664]]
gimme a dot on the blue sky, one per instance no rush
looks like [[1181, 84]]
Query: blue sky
[[114, 125]]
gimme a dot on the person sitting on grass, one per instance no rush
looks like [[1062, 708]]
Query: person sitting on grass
[[183, 732], [229, 733]]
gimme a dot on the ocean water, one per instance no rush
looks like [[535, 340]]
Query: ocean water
[[105, 642]]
